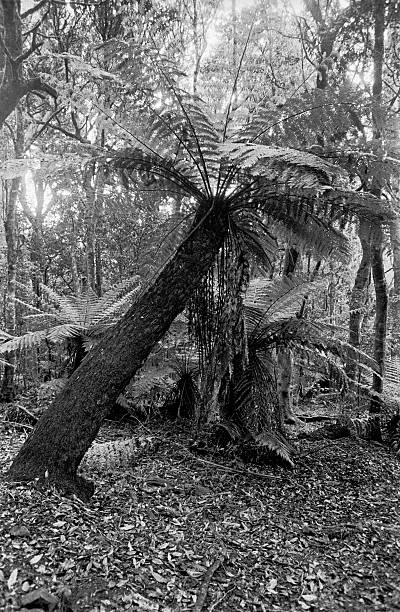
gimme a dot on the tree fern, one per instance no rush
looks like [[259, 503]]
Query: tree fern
[[74, 316], [261, 187]]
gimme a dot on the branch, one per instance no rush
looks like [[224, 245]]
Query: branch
[[34, 47], [37, 84], [35, 27], [45, 124], [202, 594], [34, 8], [58, 128]]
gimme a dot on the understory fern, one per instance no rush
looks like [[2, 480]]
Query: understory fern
[[84, 316]]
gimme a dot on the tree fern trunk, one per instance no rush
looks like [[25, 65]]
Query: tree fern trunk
[[230, 342], [56, 447], [395, 302]]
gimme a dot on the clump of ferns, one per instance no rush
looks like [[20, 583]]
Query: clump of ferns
[[183, 400], [318, 350]]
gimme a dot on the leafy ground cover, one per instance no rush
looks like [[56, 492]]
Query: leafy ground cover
[[175, 532]]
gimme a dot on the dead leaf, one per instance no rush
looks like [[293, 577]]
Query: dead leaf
[[144, 604], [19, 531], [12, 578]]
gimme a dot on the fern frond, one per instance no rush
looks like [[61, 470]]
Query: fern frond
[[164, 171], [329, 353], [59, 333], [302, 118], [115, 299], [281, 164], [111, 455], [43, 318], [256, 237], [86, 304], [254, 392], [67, 304], [26, 341], [392, 377], [29, 307], [274, 300], [277, 445], [152, 378], [304, 214]]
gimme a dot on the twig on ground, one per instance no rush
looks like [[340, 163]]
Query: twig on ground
[[20, 407], [224, 596], [203, 591], [225, 468], [319, 447], [219, 466], [18, 424]]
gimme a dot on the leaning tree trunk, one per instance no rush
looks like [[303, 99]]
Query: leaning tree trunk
[[62, 436]]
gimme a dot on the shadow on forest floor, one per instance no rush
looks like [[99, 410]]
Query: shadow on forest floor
[[175, 533]]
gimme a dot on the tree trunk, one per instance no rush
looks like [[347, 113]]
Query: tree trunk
[[377, 251], [56, 447], [7, 393], [37, 243], [285, 355], [13, 86], [359, 294], [90, 225], [285, 385], [378, 272], [76, 284]]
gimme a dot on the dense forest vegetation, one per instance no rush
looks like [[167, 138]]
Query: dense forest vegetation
[[200, 239]]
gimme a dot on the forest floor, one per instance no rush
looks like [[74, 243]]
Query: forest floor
[[175, 532]]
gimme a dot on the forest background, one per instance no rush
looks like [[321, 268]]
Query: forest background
[[229, 170], [200, 247]]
